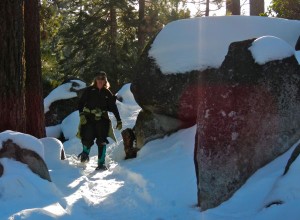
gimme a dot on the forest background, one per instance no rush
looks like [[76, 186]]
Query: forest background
[[80, 38], [45, 42]]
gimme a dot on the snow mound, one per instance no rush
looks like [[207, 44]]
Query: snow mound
[[269, 48], [202, 43], [25, 141], [63, 92], [126, 95]]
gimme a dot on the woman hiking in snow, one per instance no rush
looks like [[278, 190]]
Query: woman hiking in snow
[[95, 103]]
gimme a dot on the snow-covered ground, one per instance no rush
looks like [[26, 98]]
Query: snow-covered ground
[[159, 184]]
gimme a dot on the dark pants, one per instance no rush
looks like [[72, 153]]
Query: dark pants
[[94, 129]]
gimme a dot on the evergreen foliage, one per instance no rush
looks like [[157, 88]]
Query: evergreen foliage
[[83, 37], [289, 9], [50, 22]]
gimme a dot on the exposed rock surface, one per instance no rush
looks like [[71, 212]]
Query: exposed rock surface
[[60, 109], [1, 169], [167, 97], [292, 158], [34, 161], [247, 116], [150, 126], [171, 95], [129, 142]]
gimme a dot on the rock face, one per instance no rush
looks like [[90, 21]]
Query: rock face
[[35, 163], [292, 158], [247, 116], [168, 101], [1, 169], [150, 126], [129, 140], [170, 95], [59, 110]]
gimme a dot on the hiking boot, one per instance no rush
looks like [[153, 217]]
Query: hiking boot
[[84, 157], [101, 167]]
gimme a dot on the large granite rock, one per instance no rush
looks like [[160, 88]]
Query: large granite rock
[[170, 95], [168, 101], [248, 114], [150, 126], [170, 68], [59, 110]]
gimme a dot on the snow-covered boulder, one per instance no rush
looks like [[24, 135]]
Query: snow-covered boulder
[[57, 110], [188, 53], [184, 50], [248, 115], [35, 162]]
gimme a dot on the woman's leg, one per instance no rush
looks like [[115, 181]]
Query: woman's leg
[[87, 134], [101, 134], [87, 140]]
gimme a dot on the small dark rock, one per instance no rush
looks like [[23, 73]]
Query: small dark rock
[[1, 169], [128, 140]]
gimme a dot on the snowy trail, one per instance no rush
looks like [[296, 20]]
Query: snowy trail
[[82, 188], [130, 186]]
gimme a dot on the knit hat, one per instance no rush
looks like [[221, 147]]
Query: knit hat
[[101, 73]]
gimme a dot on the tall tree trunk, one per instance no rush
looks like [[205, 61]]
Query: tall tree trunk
[[12, 93], [236, 7], [113, 31], [113, 45], [228, 7], [233, 7], [207, 8], [34, 90], [141, 27], [257, 7]]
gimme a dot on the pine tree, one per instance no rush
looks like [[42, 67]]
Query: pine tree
[[205, 7], [35, 123], [109, 36], [12, 92], [257, 7], [289, 9], [141, 27], [233, 7]]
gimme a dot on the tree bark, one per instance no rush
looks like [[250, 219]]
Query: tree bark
[[113, 31], [233, 7], [141, 27], [34, 90], [207, 8], [113, 45], [12, 92], [257, 7]]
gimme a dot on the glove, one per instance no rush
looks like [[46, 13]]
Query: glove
[[82, 119], [119, 125]]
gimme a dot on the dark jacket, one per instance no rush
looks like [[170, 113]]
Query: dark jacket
[[93, 98]]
